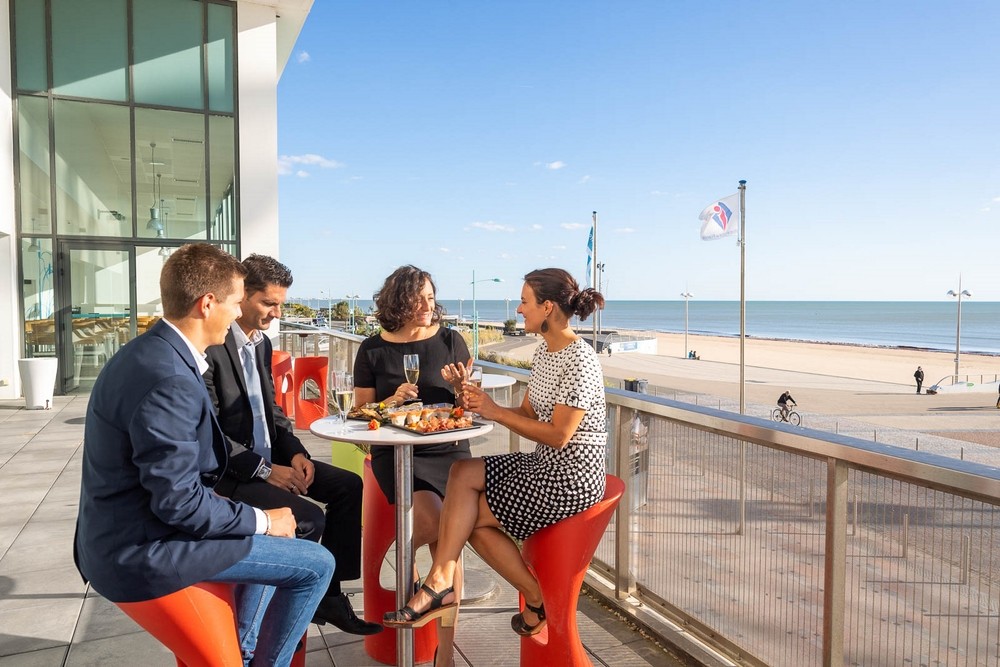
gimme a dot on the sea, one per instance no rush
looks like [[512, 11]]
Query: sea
[[925, 325]]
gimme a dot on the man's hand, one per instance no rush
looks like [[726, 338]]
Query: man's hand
[[302, 463], [282, 522], [288, 479]]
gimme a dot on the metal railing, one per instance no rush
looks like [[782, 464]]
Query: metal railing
[[779, 545]]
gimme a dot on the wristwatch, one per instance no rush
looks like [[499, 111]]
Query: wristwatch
[[264, 472]]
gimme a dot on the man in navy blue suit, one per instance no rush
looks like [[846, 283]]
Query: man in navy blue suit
[[268, 465], [149, 522]]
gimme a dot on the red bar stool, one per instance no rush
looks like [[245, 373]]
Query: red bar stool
[[559, 555], [379, 519], [308, 410], [197, 624], [281, 373]]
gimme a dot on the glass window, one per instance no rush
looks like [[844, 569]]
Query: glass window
[[29, 35], [89, 49], [220, 54], [170, 174], [222, 160], [33, 164], [167, 40], [36, 268], [93, 169]]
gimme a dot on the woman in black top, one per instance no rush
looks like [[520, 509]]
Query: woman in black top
[[410, 318]]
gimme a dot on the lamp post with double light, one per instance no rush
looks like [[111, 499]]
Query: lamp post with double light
[[687, 296], [475, 313], [958, 325], [351, 306]]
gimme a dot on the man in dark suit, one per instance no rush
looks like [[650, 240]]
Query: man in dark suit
[[149, 522], [269, 466]]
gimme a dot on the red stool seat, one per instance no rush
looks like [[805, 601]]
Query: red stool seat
[[379, 520], [308, 410], [559, 556], [197, 624], [284, 383]]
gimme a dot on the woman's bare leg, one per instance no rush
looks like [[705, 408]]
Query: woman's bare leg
[[426, 521], [501, 553], [464, 509]]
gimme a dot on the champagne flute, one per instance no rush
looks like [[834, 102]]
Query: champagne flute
[[476, 380], [343, 394], [411, 367]]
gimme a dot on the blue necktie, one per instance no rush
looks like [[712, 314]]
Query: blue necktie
[[252, 377]]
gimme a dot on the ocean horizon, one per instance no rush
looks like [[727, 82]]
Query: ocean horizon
[[928, 325]]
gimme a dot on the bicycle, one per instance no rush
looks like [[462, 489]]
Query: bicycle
[[794, 418]]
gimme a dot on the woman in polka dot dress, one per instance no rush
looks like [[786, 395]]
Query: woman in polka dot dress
[[490, 500]]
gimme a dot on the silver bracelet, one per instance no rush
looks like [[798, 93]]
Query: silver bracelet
[[267, 530]]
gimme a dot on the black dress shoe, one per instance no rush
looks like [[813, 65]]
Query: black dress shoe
[[337, 611]]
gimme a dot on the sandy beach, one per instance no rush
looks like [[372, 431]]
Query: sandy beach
[[873, 385]]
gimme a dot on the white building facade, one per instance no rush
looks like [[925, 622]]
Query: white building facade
[[129, 127]]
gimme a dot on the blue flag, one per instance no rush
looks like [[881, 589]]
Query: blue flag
[[590, 258]]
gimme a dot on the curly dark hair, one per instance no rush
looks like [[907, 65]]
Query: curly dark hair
[[559, 287], [263, 271], [395, 301]]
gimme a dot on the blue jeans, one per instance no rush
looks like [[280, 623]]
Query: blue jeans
[[279, 585]]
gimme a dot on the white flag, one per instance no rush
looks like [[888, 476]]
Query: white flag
[[720, 219]]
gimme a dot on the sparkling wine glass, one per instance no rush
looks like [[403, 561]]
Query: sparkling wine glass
[[411, 367], [343, 394], [476, 380]]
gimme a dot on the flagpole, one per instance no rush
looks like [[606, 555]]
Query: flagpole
[[593, 280], [743, 296]]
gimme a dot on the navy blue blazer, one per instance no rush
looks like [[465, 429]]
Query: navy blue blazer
[[149, 522]]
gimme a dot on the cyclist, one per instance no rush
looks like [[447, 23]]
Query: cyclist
[[783, 402]]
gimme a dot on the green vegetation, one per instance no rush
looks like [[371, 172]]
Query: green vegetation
[[510, 326]]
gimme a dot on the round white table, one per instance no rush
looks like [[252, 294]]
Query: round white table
[[357, 432], [494, 381]]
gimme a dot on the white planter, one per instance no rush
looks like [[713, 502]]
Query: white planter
[[38, 381]]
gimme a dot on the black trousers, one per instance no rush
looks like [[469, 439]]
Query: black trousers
[[338, 528]]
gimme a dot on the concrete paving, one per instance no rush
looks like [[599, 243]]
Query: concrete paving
[[48, 616]]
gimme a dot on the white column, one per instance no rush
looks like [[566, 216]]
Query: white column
[[258, 131], [10, 317]]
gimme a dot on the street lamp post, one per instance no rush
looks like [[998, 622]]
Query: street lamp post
[[958, 325], [329, 306], [507, 311], [475, 313], [351, 306], [687, 296], [460, 301]]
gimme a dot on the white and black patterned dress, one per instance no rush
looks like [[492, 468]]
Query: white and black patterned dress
[[527, 492]]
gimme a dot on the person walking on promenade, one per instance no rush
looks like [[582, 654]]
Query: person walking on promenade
[[268, 465], [492, 501], [149, 522], [918, 375]]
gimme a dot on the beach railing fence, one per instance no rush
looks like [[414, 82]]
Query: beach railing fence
[[779, 545]]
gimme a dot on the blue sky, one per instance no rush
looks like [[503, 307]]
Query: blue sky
[[479, 136]]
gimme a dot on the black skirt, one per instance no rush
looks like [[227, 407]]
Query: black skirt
[[431, 464]]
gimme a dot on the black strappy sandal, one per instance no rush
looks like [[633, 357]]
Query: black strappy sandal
[[521, 627], [409, 617]]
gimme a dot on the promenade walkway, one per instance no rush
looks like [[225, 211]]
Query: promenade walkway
[[49, 617]]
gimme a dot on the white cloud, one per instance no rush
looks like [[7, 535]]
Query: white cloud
[[625, 230], [303, 57], [491, 226], [286, 163], [444, 249], [558, 164], [503, 255], [558, 247], [584, 179], [302, 173], [996, 199], [536, 228], [985, 209], [573, 225]]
